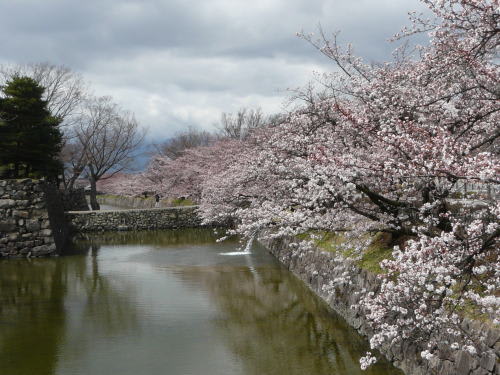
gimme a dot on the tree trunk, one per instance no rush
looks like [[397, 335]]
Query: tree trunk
[[71, 182], [93, 194]]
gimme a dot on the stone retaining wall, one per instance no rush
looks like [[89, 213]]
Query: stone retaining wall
[[136, 219], [31, 219], [318, 269]]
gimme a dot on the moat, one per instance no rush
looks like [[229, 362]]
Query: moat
[[168, 302]]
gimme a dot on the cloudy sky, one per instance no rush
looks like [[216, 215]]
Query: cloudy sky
[[180, 63]]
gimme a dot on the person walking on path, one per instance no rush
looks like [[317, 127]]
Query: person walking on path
[[157, 200]]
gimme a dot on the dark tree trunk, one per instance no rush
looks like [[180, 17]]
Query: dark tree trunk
[[71, 182], [93, 194]]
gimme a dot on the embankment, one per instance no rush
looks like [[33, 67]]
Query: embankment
[[320, 269], [134, 219], [31, 219]]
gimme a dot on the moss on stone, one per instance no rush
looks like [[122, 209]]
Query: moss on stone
[[335, 242]]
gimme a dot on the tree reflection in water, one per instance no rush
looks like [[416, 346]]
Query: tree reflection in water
[[158, 238], [42, 299], [274, 324]]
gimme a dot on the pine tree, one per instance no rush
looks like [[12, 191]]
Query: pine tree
[[30, 140]]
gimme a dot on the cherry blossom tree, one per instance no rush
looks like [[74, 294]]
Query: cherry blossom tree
[[382, 149], [128, 184], [185, 176]]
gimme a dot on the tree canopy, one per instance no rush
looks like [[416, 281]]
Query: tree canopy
[[30, 140]]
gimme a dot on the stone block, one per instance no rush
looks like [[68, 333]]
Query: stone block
[[6, 203], [23, 203], [492, 337], [488, 361], [32, 225], [40, 214], [13, 236], [464, 363], [20, 194], [20, 214], [8, 225], [43, 250]]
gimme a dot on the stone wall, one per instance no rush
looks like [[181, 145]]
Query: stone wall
[[319, 268], [135, 219], [32, 220]]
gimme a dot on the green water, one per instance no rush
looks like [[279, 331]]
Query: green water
[[168, 302]]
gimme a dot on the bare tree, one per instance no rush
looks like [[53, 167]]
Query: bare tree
[[64, 89], [175, 146], [96, 114], [104, 142], [231, 126], [239, 126]]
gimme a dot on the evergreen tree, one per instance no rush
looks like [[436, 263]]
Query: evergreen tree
[[30, 139]]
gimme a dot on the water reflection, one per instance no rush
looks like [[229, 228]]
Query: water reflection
[[160, 238], [167, 302], [275, 325], [42, 299], [31, 308]]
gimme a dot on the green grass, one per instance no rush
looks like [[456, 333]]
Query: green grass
[[471, 311], [182, 202], [108, 196], [371, 257]]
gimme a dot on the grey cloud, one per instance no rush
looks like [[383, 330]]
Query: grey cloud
[[234, 28], [182, 62]]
